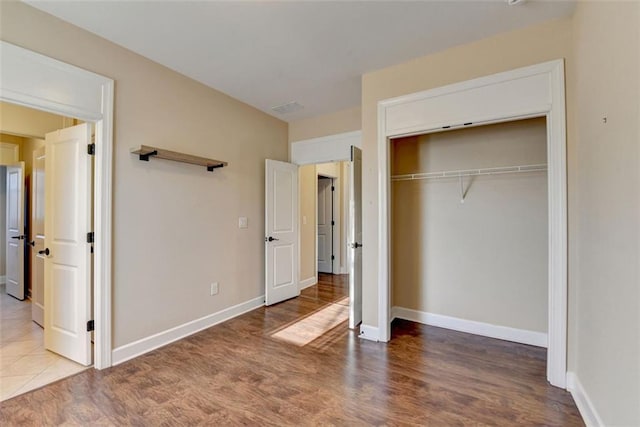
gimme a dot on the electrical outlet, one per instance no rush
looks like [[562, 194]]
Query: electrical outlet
[[243, 222], [214, 288]]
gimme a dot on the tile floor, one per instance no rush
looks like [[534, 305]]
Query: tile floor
[[24, 363]]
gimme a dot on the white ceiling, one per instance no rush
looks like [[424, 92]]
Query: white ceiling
[[313, 52]]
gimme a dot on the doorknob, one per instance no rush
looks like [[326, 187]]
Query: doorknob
[[44, 252], [356, 245], [18, 237], [270, 239], [31, 243]]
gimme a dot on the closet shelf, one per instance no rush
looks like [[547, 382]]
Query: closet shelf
[[470, 172], [146, 151]]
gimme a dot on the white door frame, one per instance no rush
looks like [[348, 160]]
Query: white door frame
[[37, 81], [535, 91]]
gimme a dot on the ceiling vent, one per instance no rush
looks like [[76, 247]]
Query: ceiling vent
[[514, 2], [289, 107]]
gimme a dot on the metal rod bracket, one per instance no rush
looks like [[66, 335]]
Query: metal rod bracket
[[145, 157]]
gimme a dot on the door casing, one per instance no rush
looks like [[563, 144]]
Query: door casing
[[43, 83], [331, 148], [534, 91]]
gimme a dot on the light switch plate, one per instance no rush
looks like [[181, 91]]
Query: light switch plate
[[243, 222]]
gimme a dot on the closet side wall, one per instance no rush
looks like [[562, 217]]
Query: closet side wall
[[485, 259]]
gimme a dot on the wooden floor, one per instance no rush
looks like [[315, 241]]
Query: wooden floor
[[243, 373]]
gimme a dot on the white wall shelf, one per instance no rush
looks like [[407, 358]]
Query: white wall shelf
[[470, 172]]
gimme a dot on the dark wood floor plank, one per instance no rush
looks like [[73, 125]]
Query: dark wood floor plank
[[238, 373]]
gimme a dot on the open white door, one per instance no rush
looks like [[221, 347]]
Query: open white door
[[355, 239], [281, 231], [15, 231], [37, 237], [67, 272]]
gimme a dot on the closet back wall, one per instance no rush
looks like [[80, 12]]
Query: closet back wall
[[485, 259]]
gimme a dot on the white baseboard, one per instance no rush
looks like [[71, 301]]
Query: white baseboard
[[3, 280], [585, 406], [145, 345], [522, 336], [371, 333], [303, 284]]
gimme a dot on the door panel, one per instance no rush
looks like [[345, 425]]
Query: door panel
[[67, 290], [37, 237], [14, 231], [281, 228], [355, 239], [325, 230]]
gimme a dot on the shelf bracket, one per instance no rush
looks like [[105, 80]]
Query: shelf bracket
[[211, 168], [145, 157]]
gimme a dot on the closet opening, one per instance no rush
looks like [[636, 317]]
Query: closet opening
[[469, 226]]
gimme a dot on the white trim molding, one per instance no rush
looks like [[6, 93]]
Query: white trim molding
[[535, 91], [137, 348], [369, 332], [523, 336], [37, 81], [3, 280], [583, 402], [303, 284], [326, 149]]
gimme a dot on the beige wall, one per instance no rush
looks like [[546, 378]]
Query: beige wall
[[548, 41], [175, 225], [485, 259], [606, 345], [27, 122], [325, 125]]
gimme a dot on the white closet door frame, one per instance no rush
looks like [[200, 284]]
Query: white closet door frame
[[535, 91], [37, 81]]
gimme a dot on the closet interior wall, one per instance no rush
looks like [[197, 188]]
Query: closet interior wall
[[484, 259]]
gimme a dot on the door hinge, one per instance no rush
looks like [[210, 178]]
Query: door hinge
[[90, 237], [91, 149], [332, 257], [333, 188], [333, 222], [90, 325]]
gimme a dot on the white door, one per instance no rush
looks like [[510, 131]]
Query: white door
[[355, 239], [325, 225], [281, 231], [37, 237], [67, 255], [15, 231]]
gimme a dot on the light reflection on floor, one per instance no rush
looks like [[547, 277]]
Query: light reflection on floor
[[314, 326]]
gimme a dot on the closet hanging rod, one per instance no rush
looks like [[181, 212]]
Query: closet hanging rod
[[470, 172], [145, 152]]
